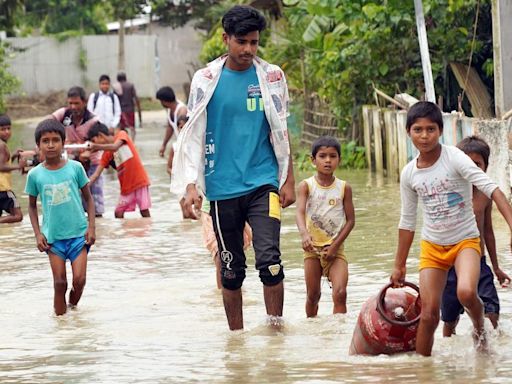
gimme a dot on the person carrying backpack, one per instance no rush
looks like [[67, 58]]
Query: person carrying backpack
[[105, 104]]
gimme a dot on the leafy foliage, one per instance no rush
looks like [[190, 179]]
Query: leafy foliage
[[126, 9], [178, 13], [352, 157], [347, 45], [9, 12], [8, 83], [57, 16], [212, 47]]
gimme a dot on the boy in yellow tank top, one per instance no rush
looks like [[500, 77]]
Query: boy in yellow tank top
[[8, 201], [325, 217]]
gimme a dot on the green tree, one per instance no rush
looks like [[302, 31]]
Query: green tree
[[10, 10], [8, 83], [213, 46], [177, 14], [349, 45], [65, 16], [123, 10]]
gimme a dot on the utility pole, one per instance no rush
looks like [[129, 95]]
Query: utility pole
[[502, 47], [430, 94]]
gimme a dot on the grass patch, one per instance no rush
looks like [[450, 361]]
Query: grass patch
[[149, 104]]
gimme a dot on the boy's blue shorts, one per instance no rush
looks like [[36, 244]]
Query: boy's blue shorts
[[69, 248], [451, 308]]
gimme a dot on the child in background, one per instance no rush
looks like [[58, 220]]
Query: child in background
[[66, 233], [175, 109], [105, 104], [451, 308], [8, 201], [180, 124], [132, 176], [442, 177], [325, 217]]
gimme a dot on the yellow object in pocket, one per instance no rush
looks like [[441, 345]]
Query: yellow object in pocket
[[274, 207]]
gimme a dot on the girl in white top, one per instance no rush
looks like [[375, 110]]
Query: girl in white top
[[325, 217]]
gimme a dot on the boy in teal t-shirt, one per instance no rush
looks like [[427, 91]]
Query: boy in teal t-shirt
[[66, 233]]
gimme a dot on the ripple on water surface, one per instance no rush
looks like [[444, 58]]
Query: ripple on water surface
[[151, 312]]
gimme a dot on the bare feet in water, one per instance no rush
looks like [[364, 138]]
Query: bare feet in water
[[480, 341]]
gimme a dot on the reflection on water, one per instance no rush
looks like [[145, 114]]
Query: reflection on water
[[151, 312]]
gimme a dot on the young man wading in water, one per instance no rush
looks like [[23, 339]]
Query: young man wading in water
[[235, 149]]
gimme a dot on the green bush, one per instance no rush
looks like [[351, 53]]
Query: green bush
[[339, 48], [212, 47], [8, 82]]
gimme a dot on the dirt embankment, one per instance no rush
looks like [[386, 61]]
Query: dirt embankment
[[25, 107], [30, 107]]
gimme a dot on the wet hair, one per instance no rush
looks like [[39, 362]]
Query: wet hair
[[77, 92], [96, 129], [4, 120], [166, 94], [121, 76], [47, 126], [242, 19], [475, 144], [325, 141], [104, 77], [424, 109]]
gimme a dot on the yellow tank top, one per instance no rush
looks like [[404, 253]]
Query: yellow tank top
[[5, 181], [325, 213]]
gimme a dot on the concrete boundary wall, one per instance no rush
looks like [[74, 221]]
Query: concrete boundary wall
[[44, 64], [496, 134]]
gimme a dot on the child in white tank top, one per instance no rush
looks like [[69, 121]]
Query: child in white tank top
[[325, 217]]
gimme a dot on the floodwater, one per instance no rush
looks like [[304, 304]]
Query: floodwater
[[151, 312]]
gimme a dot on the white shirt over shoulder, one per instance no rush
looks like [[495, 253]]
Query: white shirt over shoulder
[[445, 190]]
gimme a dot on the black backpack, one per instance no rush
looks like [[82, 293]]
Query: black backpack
[[96, 97]]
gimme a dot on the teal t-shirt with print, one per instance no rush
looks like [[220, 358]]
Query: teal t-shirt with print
[[59, 191], [239, 155]]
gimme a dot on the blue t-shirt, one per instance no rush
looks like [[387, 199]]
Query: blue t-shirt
[[63, 214], [239, 156]]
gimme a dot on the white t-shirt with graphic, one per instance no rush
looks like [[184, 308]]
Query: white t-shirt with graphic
[[445, 191]]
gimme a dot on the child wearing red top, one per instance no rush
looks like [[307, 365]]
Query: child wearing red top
[[132, 176]]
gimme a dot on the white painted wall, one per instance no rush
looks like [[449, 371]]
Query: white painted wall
[[44, 64], [178, 51], [163, 58]]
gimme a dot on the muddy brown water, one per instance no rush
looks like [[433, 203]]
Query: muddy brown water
[[151, 312]]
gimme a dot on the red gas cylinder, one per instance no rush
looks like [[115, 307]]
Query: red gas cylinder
[[387, 322]]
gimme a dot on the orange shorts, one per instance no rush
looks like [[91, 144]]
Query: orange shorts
[[443, 256]]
